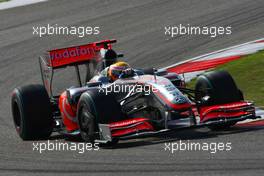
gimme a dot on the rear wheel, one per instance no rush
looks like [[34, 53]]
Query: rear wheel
[[32, 113], [95, 107], [221, 88]]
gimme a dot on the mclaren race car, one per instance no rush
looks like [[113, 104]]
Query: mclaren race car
[[72, 101]]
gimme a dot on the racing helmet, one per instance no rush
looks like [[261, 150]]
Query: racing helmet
[[115, 70]]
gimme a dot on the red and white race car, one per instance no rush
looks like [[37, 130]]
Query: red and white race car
[[153, 102]]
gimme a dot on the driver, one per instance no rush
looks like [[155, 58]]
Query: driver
[[114, 71]]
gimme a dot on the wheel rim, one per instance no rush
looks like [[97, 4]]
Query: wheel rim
[[87, 124]]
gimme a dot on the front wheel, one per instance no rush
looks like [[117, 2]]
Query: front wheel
[[86, 123], [95, 108], [221, 88]]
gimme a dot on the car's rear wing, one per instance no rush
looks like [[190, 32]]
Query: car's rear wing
[[71, 56], [77, 54]]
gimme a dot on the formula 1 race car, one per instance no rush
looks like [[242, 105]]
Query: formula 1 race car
[[149, 102]]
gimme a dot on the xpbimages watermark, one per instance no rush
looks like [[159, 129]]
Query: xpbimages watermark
[[80, 147], [211, 31], [80, 31], [211, 147], [128, 88]]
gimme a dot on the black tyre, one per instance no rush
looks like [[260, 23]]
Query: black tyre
[[32, 113], [241, 95], [95, 107], [87, 123], [221, 88]]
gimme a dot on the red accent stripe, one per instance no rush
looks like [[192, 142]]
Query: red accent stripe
[[130, 126], [211, 112], [127, 122], [201, 65], [260, 41], [233, 106], [144, 126]]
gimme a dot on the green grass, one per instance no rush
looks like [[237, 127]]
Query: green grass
[[248, 73], [4, 0]]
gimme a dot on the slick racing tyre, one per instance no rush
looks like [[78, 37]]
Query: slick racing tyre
[[32, 113], [221, 88], [96, 107]]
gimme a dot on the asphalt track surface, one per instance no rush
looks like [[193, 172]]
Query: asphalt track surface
[[139, 27]]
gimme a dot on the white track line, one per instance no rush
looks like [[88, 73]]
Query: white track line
[[16, 3]]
